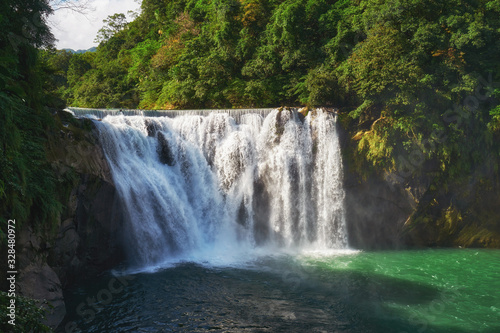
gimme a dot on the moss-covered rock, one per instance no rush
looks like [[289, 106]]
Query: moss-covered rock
[[419, 207], [84, 239]]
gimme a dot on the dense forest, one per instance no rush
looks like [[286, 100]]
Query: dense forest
[[28, 184], [415, 80]]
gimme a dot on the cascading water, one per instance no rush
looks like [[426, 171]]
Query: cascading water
[[197, 186]]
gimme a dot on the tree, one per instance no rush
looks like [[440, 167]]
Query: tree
[[113, 24], [78, 6]]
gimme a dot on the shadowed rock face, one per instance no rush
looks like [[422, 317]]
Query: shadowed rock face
[[88, 239], [36, 279], [164, 152], [376, 213], [88, 236], [376, 208], [387, 211]]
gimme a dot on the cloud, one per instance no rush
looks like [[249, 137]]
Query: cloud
[[77, 31]]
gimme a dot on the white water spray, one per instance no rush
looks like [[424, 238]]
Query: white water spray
[[209, 185]]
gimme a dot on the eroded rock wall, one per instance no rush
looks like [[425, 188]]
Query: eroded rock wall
[[85, 239], [419, 209]]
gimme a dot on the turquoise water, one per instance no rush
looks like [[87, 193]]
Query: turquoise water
[[442, 290], [426, 291]]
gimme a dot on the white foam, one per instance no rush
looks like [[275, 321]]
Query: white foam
[[204, 206]]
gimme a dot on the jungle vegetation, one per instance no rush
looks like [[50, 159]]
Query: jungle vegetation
[[416, 81]]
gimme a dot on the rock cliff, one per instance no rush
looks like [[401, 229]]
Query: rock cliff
[[84, 241], [397, 210]]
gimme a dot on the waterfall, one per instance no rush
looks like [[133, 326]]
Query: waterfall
[[101, 113], [215, 185]]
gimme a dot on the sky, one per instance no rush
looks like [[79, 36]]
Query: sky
[[76, 31]]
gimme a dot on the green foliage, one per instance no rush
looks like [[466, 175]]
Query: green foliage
[[494, 124], [28, 184], [29, 315], [113, 24], [33, 80], [53, 67], [416, 77], [199, 54]]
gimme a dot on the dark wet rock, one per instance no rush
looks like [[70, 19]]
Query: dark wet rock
[[164, 152], [150, 127], [36, 279], [376, 213], [85, 240]]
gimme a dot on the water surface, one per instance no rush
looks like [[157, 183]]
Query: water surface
[[455, 290]]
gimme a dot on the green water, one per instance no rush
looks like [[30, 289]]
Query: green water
[[427, 291], [395, 291]]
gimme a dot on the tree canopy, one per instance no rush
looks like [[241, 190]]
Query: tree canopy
[[415, 80], [403, 70]]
